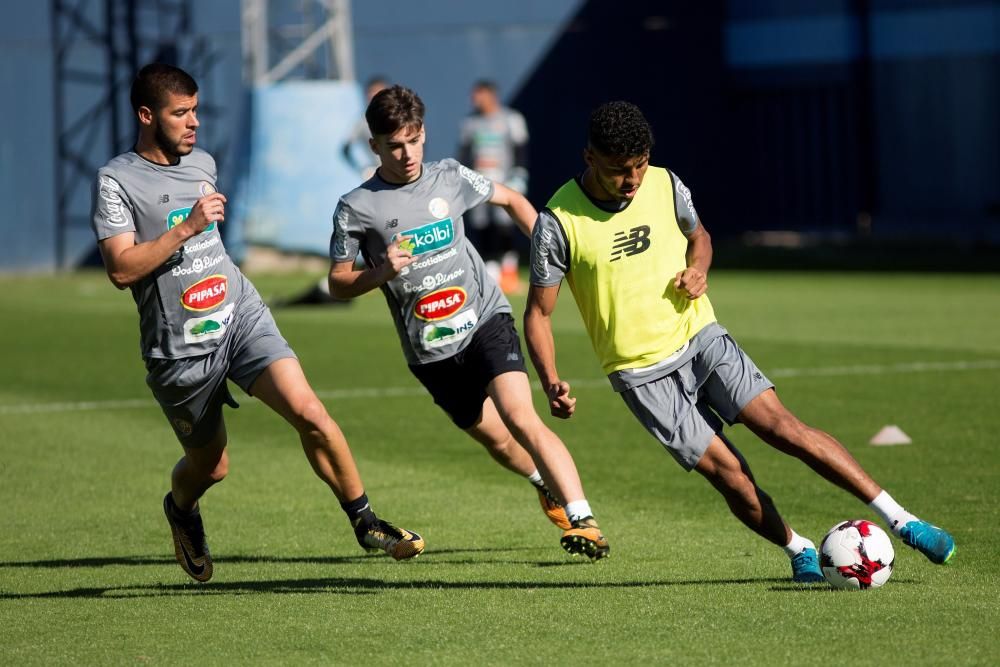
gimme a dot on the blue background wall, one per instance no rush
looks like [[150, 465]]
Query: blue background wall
[[780, 114]]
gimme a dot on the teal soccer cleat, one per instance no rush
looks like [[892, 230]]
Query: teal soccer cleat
[[935, 543], [805, 567]]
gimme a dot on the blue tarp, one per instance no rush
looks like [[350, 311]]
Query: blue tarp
[[297, 166]]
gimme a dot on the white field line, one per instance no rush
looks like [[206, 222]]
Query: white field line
[[396, 392]]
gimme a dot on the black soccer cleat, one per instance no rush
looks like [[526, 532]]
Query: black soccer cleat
[[190, 546], [381, 535]]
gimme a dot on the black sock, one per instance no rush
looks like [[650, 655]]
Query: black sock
[[178, 513], [359, 513]]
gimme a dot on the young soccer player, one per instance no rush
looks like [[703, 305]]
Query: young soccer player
[[627, 239], [156, 217], [454, 324]]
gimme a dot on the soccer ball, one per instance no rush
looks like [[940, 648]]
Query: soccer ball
[[856, 554]]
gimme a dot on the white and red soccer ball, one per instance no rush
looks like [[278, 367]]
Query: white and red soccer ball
[[856, 554]]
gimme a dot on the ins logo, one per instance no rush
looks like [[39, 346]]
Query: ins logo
[[633, 243]]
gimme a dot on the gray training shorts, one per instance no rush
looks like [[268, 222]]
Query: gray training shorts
[[191, 391], [682, 409]]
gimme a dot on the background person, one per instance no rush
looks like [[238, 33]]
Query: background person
[[494, 142]]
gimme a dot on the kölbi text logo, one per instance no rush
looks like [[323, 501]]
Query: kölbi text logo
[[428, 238], [205, 294], [440, 304], [633, 243], [179, 215]]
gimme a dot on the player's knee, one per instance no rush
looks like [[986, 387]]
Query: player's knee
[[216, 471], [501, 447], [788, 433], [524, 423], [219, 472], [311, 416]]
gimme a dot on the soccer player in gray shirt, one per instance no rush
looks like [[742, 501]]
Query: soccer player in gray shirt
[[453, 322], [156, 218]]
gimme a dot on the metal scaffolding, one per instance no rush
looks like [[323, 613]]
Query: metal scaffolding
[[312, 41], [98, 47]]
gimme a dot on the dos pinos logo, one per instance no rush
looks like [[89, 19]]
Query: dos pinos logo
[[441, 304], [205, 294], [428, 238]]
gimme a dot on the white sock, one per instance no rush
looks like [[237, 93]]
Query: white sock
[[797, 544], [891, 512], [578, 509], [536, 479]]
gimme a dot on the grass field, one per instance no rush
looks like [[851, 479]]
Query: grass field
[[87, 573]]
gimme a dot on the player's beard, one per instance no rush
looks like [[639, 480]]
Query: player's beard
[[173, 150]]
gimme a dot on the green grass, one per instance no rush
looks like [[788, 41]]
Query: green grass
[[86, 567]]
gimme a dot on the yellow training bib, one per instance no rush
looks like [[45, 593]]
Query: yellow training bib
[[621, 271]]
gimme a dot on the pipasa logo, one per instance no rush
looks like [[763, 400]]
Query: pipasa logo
[[428, 238], [440, 304], [179, 215], [206, 293]]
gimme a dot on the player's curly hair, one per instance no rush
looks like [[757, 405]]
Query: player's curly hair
[[393, 109], [619, 129], [155, 81]]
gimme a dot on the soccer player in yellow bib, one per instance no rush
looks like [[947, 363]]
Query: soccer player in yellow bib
[[627, 239]]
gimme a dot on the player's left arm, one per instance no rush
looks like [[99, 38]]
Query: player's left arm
[[542, 348], [516, 205], [694, 279]]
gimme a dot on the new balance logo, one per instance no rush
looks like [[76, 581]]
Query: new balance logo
[[163, 199], [633, 243], [390, 224]]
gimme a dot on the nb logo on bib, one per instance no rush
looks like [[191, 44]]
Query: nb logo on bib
[[633, 243]]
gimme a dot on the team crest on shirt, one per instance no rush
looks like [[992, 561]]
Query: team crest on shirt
[[438, 208], [206, 188]]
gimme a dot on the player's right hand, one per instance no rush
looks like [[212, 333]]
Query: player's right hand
[[397, 256], [561, 404], [207, 210]]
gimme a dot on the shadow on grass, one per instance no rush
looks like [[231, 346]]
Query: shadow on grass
[[112, 561], [350, 586], [339, 585], [792, 587]]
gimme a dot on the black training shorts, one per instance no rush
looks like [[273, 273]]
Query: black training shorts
[[458, 384]]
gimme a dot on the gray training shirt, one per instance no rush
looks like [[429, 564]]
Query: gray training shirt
[[185, 305], [437, 301]]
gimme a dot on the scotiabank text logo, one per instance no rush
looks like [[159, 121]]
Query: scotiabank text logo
[[428, 238], [205, 294], [440, 304]]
